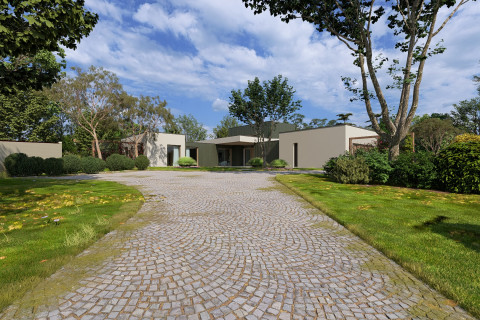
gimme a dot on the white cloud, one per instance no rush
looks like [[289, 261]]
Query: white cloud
[[105, 8], [220, 105]]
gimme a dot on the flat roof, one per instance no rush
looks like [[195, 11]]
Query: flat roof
[[234, 141], [328, 127]]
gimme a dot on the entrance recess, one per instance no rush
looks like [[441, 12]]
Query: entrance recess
[[173, 154]]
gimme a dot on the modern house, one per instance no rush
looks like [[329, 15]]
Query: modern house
[[300, 148], [311, 148]]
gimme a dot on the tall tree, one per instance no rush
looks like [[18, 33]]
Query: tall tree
[[32, 28], [191, 128], [89, 98], [144, 115], [351, 21], [434, 133], [467, 115], [29, 116], [273, 101], [221, 130]]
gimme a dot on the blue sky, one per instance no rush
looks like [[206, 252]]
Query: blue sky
[[192, 53]]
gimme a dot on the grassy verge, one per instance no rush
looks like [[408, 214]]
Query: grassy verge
[[434, 235], [44, 223]]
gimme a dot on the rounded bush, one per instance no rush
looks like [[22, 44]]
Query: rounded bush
[[186, 162], [255, 162], [72, 164], [377, 163], [118, 162], [33, 166], [458, 167], [414, 170], [467, 137], [92, 165], [142, 162], [350, 170], [53, 166], [13, 163], [278, 163]]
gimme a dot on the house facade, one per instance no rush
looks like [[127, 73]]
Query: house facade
[[164, 149]]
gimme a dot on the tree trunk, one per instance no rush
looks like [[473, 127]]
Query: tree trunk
[[97, 145], [393, 151]]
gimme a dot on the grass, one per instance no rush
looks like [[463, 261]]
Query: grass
[[45, 223], [216, 169], [434, 235]]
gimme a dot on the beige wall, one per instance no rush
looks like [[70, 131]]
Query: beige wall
[[316, 146], [155, 148], [37, 149]]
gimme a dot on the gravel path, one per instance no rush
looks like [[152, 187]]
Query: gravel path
[[230, 245]]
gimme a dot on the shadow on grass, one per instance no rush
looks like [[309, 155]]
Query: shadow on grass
[[464, 233]]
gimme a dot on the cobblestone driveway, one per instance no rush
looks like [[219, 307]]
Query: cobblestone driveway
[[233, 246]]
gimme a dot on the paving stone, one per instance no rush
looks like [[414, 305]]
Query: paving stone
[[229, 245]]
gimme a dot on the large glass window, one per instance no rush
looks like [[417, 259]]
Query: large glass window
[[173, 154], [224, 157]]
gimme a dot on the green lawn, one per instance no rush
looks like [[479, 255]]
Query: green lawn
[[44, 223], [434, 235]]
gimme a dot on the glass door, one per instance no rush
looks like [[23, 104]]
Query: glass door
[[173, 154]]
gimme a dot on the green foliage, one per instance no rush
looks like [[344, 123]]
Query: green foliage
[[92, 165], [279, 163], [35, 27], [118, 162], [350, 170], [13, 163], [72, 164], [377, 163], [221, 130], [142, 162], [329, 165], [37, 165], [467, 115], [191, 128], [255, 162], [467, 137], [433, 134], [53, 166], [186, 162], [414, 170], [458, 167], [29, 116]]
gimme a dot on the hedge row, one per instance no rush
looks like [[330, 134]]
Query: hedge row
[[19, 164], [455, 169]]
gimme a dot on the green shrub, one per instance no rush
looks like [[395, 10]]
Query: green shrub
[[278, 163], [142, 162], [329, 165], [255, 162], [458, 167], [350, 170], [53, 166], [92, 165], [414, 170], [36, 165], [186, 162], [378, 165], [72, 164], [13, 163], [117, 162]]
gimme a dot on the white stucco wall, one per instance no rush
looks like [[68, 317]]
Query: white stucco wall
[[155, 147], [316, 146], [31, 149]]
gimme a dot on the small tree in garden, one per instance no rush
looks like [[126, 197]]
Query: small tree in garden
[[433, 133], [190, 127], [344, 117], [273, 100], [88, 98]]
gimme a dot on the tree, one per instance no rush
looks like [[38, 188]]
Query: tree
[[344, 116], [467, 115], [297, 121], [413, 22], [221, 130], [89, 99], [144, 115], [31, 29], [191, 128], [273, 101], [434, 134], [29, 116]]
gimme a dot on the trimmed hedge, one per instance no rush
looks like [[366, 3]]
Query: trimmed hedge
[[118, 162], [458, 167], [142, 162], [13, 163], [186, 162], [92, 165], [53, 166], [278, 163], [72, 164], [255, 162]]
